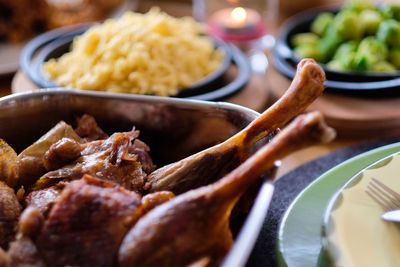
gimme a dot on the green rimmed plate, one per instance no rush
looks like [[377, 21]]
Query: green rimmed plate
[[299, 238], [354, 233]]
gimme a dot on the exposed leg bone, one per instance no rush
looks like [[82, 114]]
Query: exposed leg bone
[[205, 166]]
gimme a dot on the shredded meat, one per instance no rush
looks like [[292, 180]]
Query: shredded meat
[[115, 159]]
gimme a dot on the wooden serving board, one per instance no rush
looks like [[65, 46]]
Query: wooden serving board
[[351, 116]]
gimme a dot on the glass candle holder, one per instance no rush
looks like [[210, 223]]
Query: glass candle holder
[[237, 21]]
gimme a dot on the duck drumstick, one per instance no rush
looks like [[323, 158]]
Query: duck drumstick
[[207, 165], [195, 224]]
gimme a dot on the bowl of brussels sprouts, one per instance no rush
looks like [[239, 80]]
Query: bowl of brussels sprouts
[[358, 45]]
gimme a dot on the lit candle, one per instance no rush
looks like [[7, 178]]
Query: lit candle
[[236, 24]]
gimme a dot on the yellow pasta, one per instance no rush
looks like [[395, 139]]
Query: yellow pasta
[[150, 53]]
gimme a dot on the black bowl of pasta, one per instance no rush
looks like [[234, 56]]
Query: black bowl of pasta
[[52, 46]]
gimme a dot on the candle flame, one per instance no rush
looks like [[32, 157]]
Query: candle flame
[[239, 15]]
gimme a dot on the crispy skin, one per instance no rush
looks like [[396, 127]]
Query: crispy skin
[[43, 199], [10, 210], [115, 159], [61, 153], [31, 222], [23, 253], [89, 129], [30, 161], [196, 170], [195, 224], [8, 164], [87, 223]]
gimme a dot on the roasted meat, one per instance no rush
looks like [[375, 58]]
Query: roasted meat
[[30, 161], [43, 199], [10, 210], [89, 129], [8, 164], [195, 224], [87, 223], [23, 253], [201, 168], [120, 159], [61, 153]]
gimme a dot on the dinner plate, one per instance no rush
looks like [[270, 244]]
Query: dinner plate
[[353, 226], [299, 237]]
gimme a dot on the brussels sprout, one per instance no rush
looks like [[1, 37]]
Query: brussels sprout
[[328, 44], [390, 11], [360, 62], [335, 65], [305, 38], [383, 66], [370, 20], [359, 5], [345, 49], [394, 57], [389, 33], [348, 26], [321, 23], [369, 52], [374, 49], [345, 54], [307, 51]]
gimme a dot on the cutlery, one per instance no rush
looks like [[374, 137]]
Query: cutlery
[[385, 197], [391, 216]]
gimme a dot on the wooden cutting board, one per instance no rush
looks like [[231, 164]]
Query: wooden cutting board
[[351, 116]]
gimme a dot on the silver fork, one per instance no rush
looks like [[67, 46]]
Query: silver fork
[[386, 197]]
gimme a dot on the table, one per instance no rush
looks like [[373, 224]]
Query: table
[[180, 8]]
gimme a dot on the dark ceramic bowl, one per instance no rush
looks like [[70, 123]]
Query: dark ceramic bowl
[[56, 43], [339, 81]]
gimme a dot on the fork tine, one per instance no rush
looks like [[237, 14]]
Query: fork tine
[[388, 192], [386, 197], [384, 203], [387, 188]]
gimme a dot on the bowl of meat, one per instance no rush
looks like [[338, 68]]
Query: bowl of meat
[[100, 179]]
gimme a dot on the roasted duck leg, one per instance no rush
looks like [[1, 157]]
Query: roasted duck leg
[[195, 224], [89, 220], [202, 168]]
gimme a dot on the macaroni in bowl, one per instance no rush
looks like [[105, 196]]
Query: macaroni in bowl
[[150, 53]]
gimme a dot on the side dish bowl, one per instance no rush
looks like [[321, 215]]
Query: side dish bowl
[[285, 60], [58, 42]]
